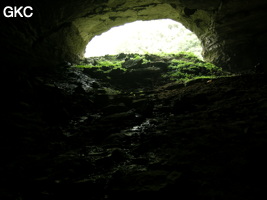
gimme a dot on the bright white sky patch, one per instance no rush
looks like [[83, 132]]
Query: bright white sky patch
[[142, 37]]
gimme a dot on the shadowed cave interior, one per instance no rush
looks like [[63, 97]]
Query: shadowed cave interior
[[129, 126]]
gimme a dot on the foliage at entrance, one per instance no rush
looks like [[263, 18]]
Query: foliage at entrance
[[144, 37], [186, 66], [181, 66]]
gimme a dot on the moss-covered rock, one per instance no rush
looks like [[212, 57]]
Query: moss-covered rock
[[134, 71]]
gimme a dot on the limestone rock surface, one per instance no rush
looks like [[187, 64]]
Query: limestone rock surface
[[232, 32]]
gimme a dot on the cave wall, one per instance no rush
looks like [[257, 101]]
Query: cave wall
[[231, 31]]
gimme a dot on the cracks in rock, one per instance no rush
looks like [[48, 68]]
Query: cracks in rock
[[104, 10], [173, 5], [97, 11], [139, 8], [188, 12]]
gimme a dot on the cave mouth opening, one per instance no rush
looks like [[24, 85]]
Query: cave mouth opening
[[145, 37]]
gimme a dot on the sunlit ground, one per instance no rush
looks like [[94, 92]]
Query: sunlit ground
[[156, 36]]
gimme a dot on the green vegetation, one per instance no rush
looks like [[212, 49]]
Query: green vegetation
[[144, 37], [181, 66], [188, 67], [103, 64], [140, 57]]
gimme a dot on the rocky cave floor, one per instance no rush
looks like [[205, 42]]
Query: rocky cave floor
[[73, 136]]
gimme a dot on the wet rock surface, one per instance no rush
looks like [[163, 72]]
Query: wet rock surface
[[72, 135]]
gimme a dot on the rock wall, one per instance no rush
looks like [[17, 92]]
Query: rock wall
[[231, 31]]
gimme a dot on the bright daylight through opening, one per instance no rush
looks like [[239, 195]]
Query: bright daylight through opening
[[156, 36]]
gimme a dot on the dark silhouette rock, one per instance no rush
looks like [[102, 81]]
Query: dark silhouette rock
[[70, 133]]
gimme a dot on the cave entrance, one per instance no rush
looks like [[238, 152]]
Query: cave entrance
[[142, 37]]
